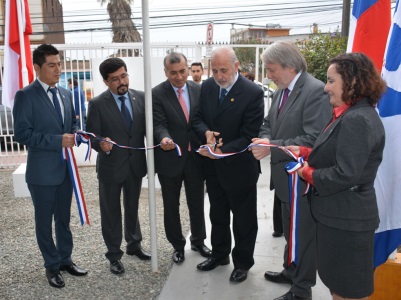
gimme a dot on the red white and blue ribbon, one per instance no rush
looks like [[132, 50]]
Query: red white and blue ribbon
[[222, 155], [293, 186], [85, 136], [68, 155]]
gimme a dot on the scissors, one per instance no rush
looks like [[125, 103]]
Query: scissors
[[216, 143]]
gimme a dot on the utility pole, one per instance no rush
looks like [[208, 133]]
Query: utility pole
[[346, 18]]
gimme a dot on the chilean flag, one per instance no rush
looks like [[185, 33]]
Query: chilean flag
[[369, 27], [17, 12], [388, 179]]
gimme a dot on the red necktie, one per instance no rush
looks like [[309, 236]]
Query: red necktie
[[182, 103], [285, 97]]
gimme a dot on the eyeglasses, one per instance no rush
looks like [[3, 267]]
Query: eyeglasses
[[115, 79]]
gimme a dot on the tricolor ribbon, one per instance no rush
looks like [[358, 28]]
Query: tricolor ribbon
[[293, 185], [68, 155], [85, 135], [222, 155]]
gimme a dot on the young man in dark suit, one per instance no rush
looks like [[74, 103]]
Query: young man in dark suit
[[46, 173], [119, 114], [300, 109], [229, 115], [175, 102]]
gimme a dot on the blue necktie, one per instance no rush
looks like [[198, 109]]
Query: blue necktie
[[56, 103], [223, 93], [125, 113]]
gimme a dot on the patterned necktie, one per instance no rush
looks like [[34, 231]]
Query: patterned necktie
[[125, 113], [285, 97], [56, 103], [182, 103], [223, 93]]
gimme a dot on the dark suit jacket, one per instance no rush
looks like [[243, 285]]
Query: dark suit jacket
[[169, 121], [36, 125], [300, 121], [238, 119], [348, 153], [104, 119]]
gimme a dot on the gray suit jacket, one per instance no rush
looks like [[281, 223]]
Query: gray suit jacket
[[169, 121], [300, 121], [105, 120], [346, 155], [36, 125]]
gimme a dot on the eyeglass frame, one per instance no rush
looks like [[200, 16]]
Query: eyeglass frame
[[119, 78]]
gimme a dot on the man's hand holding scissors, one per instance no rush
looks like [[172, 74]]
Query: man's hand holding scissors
[[213, 142]]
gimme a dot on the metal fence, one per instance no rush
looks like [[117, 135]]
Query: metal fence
[[79, 60]]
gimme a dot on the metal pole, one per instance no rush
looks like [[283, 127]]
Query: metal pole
[[149, 133], [346, 18]]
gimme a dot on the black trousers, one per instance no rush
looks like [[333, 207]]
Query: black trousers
[[277, 215], [241, 201], [194, 185], [111, 217]]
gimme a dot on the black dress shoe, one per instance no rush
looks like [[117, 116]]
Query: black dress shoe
[[178, 256], [211, 263], [277, 234], [291, 296], [277, 277], [116, 267], [202, 249], [140, 253], [74, 270], [54, 278], [239, 275]]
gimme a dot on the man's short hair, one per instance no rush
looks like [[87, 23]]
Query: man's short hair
[[70, 80], [111, 65], [174, 58], [197, 64], [40, 53]]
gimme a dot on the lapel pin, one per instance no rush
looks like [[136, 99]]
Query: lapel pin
[[232, 99]]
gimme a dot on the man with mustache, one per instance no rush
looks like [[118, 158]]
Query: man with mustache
[[119, 114]]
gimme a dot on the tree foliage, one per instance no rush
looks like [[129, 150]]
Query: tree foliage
[[123, 28], [320, 49], [247, 55]]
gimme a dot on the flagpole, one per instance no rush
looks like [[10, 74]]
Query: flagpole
[[24, 70]]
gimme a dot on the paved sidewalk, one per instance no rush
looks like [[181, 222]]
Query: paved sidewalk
[[186, 282]]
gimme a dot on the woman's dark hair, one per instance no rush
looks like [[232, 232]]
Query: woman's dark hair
[[360, 78]]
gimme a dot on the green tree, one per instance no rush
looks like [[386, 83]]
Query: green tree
[[123, 28], [320, 49], [247, 55]]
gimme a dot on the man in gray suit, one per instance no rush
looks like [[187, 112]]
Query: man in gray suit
[[44, 121], [119, 114], [175, 102], [299, 111]]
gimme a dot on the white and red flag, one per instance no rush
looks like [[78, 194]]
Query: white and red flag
[[18, 69]]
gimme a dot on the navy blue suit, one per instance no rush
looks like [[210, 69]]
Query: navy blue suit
[[37, 126]]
